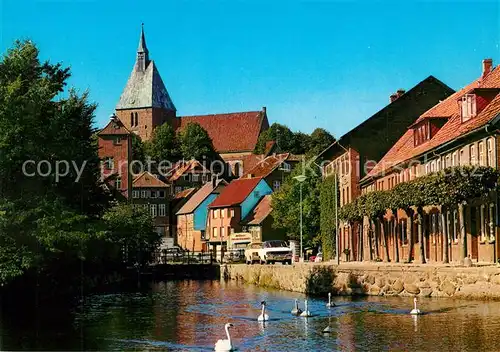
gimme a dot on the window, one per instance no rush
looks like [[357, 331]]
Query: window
[[135, 194], [159, 230], [143, 194], [196, 178], [186, 177], [117, 140], [136, 120], [285, 167], [178, 189], [222, 232], [481, 153], [421, 134], [433, 166], [153, 209], [215, 231], [222, 213], [438, 165], [109, 163], [161, 194], [427, 168], [161, 210], [448, 161], [231, 230], [232, 212], [404, 235], [131, 119], [468, 106], [118, 183], [462, 157], [216, 213], [276, 185], [472, 151], [455, 225], [153, 194], [489, 161], [454, 161]]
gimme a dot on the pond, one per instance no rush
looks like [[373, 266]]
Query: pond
[[190, 316]]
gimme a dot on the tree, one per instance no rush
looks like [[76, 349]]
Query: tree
[[319, 141], [286, 206], [195, 143], [132, 229], [281, 134], [163, 145], [138, 148]]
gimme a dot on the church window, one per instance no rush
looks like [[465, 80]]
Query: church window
[[131, 119], [136, 120]]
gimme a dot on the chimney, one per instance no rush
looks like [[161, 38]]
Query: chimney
[[487, 65], [264, 110], [393, 97], [400, 92], [214, 181]]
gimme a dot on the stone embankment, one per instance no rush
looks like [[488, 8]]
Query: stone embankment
[[478, 282]]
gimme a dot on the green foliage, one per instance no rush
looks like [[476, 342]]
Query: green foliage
[[195, 143], [447, 188], [163, 145], [327, 200], [139, 148], [132, 229], [295, 143], [286, 206]]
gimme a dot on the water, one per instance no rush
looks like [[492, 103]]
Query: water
[[190, 316]]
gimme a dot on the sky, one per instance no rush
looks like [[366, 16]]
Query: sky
[[329, 64]]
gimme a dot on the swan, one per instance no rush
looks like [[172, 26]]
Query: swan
[[296, 310], [306, 313], [263, 316], [225, 345], [415, 310], [330, 303], [327, 330]]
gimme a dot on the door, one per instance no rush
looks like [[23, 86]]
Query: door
[[474, 233], [427, 242]]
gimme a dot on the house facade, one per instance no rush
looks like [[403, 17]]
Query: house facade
[[258, 223], [233, 204], [462, 130], [354, 154], [192, 217], [153, 194]]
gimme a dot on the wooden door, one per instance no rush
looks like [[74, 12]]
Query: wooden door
[[474, 233]]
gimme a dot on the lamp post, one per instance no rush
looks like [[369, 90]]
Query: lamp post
[[301, 179]]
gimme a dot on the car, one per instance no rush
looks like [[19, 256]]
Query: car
[[319, 258], [268, 252]]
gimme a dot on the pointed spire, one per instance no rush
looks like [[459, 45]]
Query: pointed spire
[[142, 42], [142, 52]]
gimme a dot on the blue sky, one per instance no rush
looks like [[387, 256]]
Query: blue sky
[[329, 64]]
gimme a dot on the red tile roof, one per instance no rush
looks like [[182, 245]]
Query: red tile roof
[[266, 166], [181, 167], [404, 149], [114, 127], [260, 212], [147, 180], [232, 132], [235, 193]]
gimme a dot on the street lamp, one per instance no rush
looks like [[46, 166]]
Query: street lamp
[[301, 179]]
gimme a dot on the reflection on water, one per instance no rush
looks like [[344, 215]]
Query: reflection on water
[[190, 316]]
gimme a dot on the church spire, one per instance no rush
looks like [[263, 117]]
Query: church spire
[[142, 52]]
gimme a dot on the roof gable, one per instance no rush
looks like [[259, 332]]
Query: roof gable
[[231, 132], [182, 167], [266, 166], [114, 128], [236, 192], [146, 180], [260, 212]]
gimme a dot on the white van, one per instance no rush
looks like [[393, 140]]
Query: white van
[[295, 247]]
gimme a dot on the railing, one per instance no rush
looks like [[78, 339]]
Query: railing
[[188, 257]]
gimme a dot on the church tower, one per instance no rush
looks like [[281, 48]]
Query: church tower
[[145, 103]]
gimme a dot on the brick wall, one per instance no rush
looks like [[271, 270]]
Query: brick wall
[[121, 152]]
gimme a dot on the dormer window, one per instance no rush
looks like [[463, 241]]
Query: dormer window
[[468, 107], [421, 133]]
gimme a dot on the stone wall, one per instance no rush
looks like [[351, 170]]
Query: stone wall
[[373, 279]]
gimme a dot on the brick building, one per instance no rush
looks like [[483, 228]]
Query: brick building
[[353, 155], [461, 130]]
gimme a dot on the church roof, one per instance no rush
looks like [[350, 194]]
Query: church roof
[[145, 90], [232, 132]]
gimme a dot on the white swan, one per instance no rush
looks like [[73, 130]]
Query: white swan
[[330, 303], [225, 345], [296, 310], [263, 316], [415, 310], [306, 313]]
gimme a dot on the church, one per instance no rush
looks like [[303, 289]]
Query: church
[[146, 104]]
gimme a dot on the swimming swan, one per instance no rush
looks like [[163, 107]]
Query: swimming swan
[[306, 313], [330, 303], [415, 310], [296, 310], [225, 345], [263, 316]]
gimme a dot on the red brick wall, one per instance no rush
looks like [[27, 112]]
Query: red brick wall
[[148, 120], [121, 154]]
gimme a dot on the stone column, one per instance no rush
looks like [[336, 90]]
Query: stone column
[[482, 222], [492, 223], [445, 236], [421, 236]]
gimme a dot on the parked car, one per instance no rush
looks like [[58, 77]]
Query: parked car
[[318, 258], [269, 252]]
